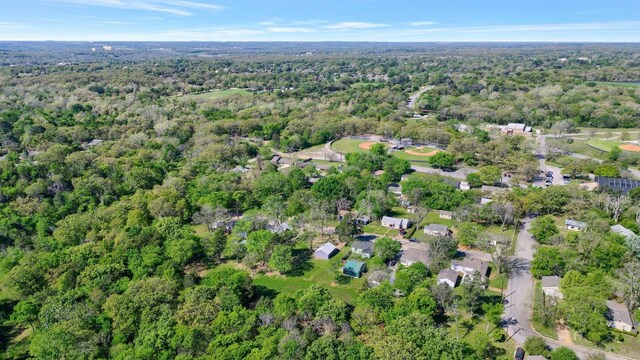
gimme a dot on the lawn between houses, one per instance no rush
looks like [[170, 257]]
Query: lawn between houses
[[322, 273]]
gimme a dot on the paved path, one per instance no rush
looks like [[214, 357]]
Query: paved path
[[413, 98]]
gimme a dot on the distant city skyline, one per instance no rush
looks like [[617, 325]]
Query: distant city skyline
[[329, 20]]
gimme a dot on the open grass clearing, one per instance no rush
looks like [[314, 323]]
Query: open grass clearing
[[322, 273], [604, 145]]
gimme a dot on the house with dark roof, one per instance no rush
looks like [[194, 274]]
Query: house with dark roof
[[619, 317], [449, 277], [325, 252], [362, 248], [354, 268], [574, 225], [617, 184]]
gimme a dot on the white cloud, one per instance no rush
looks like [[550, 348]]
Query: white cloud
[[423, 23], [116, 23], [10, 26], [175, 7], [288, 29], [350, 25]]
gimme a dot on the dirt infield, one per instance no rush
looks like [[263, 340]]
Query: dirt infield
[[418, 153], [366, 145], [630, 147]]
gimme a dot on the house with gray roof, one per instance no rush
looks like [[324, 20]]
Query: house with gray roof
[[325, 252], [436, 230], [362, 248], [468, 267], [621, 230], [412, 255], [395, 223], [449, 277], [574, 225], [619, 317], [551, 286]]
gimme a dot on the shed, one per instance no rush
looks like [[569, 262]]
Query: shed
[[325, 252], [354, 268], [445, 214]]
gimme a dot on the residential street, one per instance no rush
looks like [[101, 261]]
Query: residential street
[[519, 309]]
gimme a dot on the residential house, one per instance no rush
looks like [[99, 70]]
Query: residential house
[[411, 209], [620, 318], [512, 129], [362, 220], [445, 214], [325, 252], [362, 248], [376, 278], [574, 225], [449, 277], [354, 268], [279, 228], [412, 255], [551, 286], [395, 223], [436, 230], [468, 267], [621, 230]]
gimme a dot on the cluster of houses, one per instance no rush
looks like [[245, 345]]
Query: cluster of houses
[[513, 129], [618, 315]]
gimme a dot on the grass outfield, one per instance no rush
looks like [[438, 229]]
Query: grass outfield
[[619, 84], [323, 274], [346, 145], [579, 147], [218, 94], [604, 145]]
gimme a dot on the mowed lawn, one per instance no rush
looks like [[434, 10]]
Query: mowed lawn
[[322, 273], [604, 145], [218, 94], [346, 145]]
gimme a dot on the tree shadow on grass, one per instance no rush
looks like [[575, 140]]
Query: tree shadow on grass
[[301, 262]]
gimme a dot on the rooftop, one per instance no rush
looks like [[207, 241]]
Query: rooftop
[[475, 264], [437, 228], [619, 312], [551, 281], [366, 246], [448, 274], [416, 255], [575, 223], [619, 229], [617, 184], [327, 248]]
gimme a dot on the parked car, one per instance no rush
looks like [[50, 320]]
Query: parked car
[[519, 355]]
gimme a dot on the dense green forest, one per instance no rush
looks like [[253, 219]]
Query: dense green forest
[[119, 175]]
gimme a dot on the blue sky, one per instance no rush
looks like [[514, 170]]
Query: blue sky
[[321, 20]]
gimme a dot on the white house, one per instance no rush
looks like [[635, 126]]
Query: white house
[[620, 318], [621, 230], [436, 230], [469, 266], [362, 248], [449, 277], [395, 223], [574, 225], [445, 214]]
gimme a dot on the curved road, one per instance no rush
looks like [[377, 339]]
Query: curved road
[[413, 98]]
